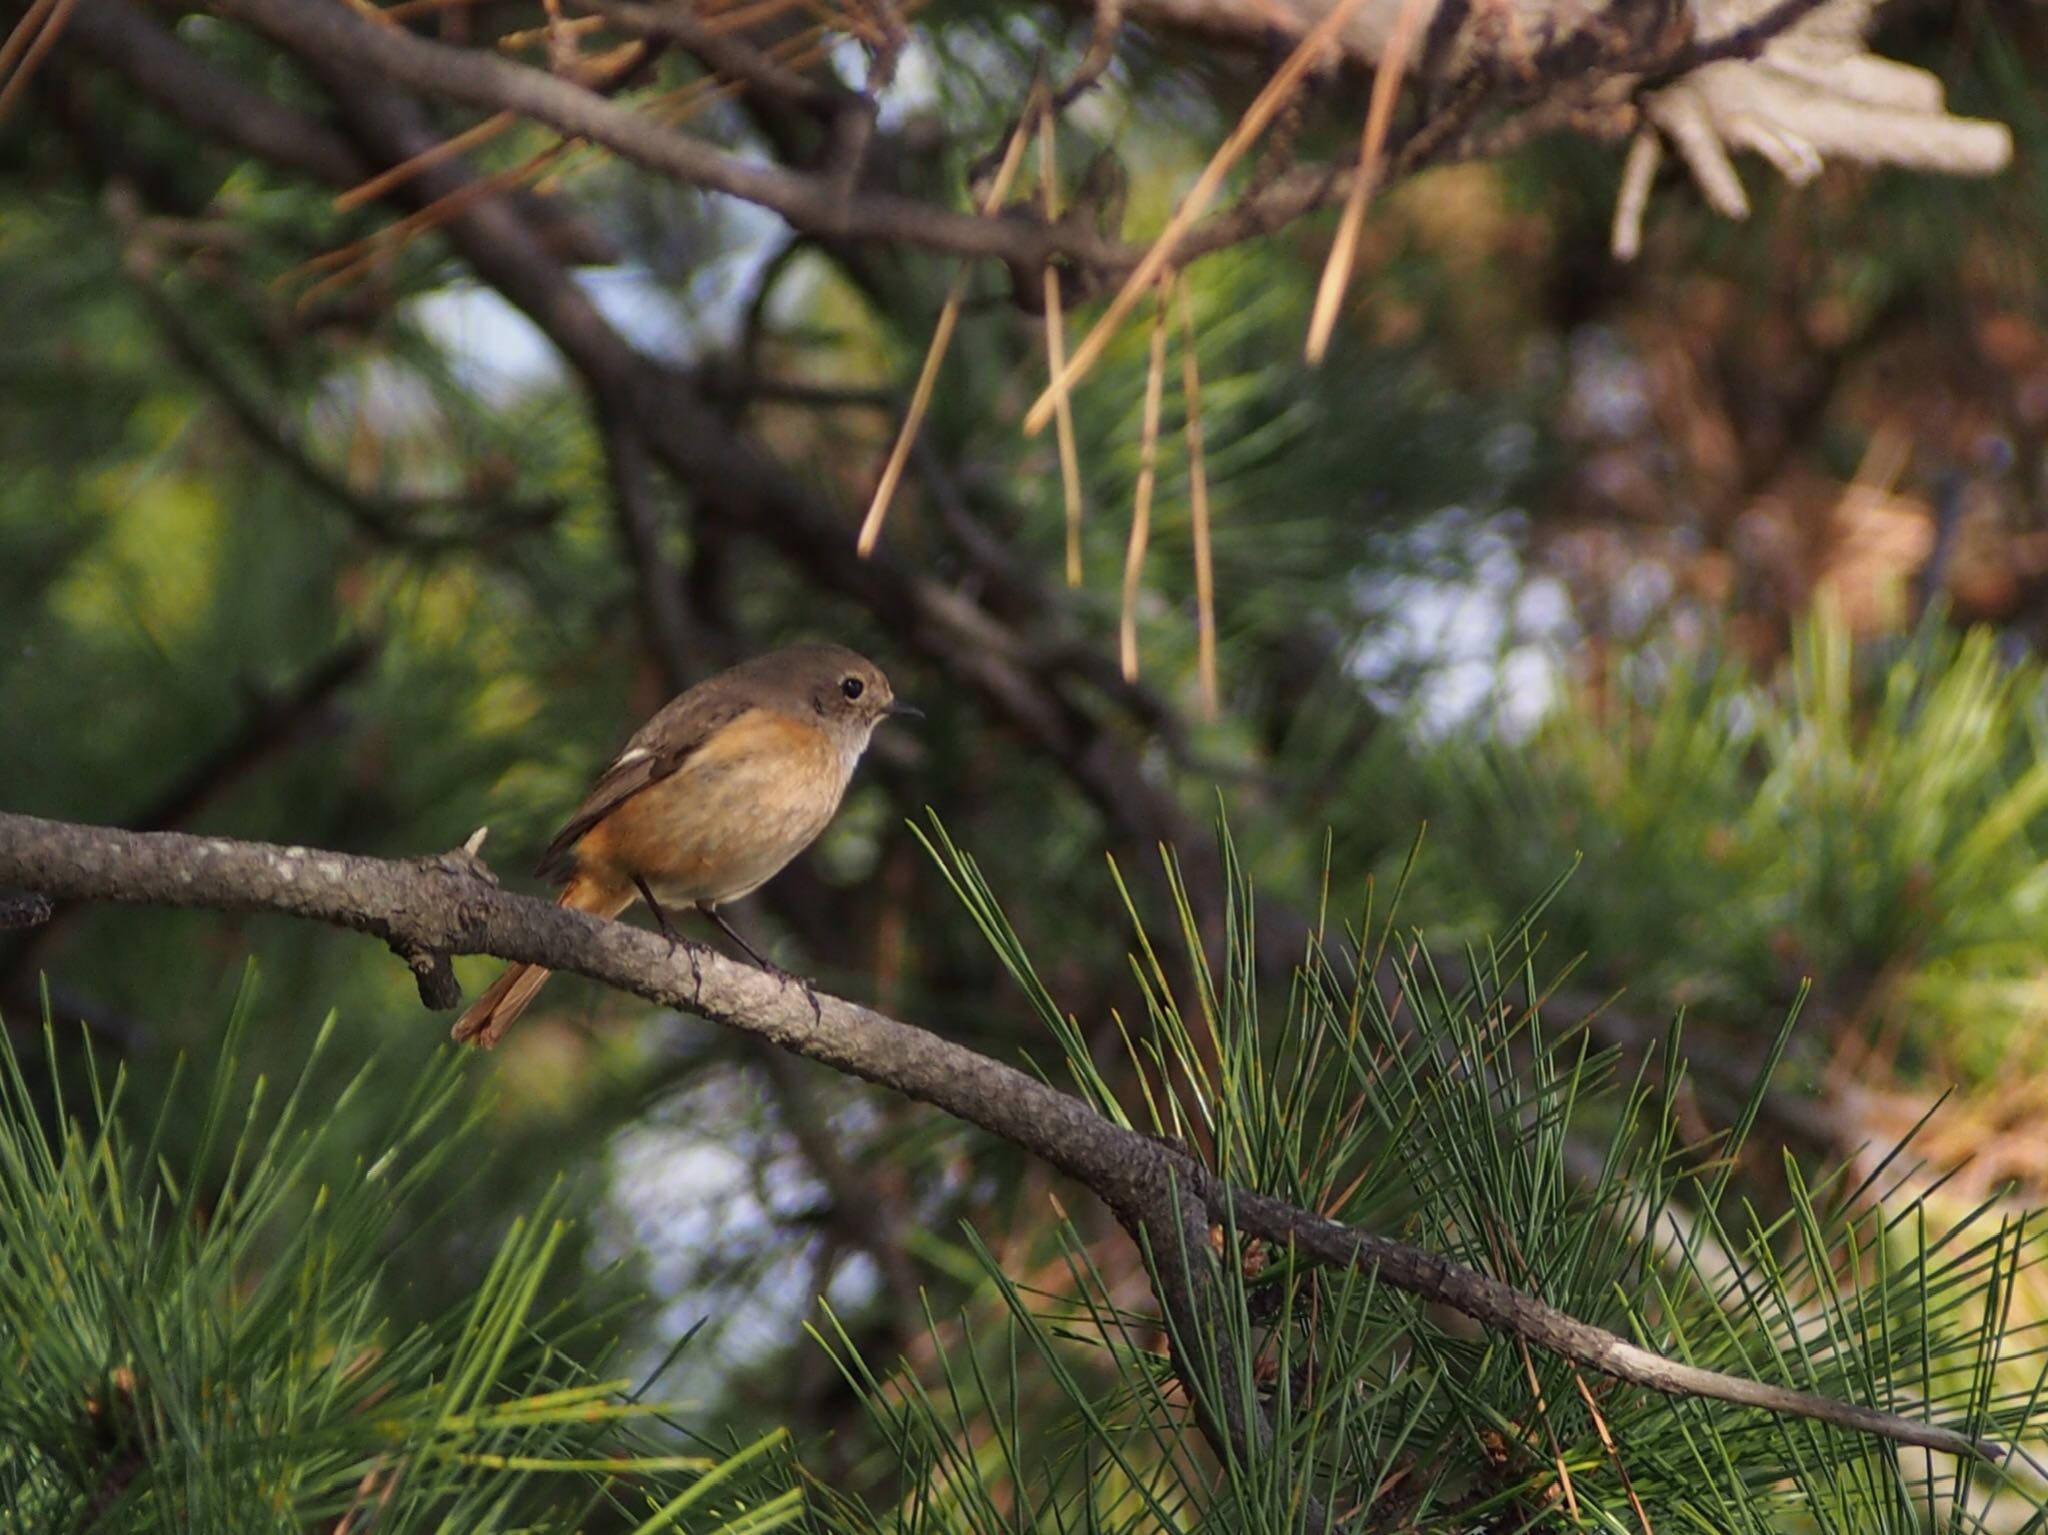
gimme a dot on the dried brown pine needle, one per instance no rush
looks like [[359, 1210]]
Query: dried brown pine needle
[[1198, 505], [30, 41], [535, 37], [1141, 502], [942, 337], [1056, 350], [353, 260], [1628, 1484], [1200, 195], [24, 34], [377, 185], [1379, 112], [1564, 1472]]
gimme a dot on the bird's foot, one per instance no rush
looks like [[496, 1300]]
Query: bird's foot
[[764, 963], [661, 923]]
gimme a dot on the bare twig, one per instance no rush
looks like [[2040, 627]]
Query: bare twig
[[1109, 21], [656, 580]]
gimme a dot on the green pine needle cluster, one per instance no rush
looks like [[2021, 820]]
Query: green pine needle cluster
[[211, 1347], [1876, 821], [1431, 1098]]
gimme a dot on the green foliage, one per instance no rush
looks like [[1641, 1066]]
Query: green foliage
[[1870, 820], [1428, 1096], [1876, 822], [210, 1345]]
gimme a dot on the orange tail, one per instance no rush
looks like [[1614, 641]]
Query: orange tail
[[499, 1007]]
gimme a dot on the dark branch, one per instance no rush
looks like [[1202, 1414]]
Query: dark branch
[[1745, 42], [443, 906], [452, 520], [724, 51], [336, 35], [17, 911]]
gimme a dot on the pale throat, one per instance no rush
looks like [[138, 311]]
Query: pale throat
[[850, 738]]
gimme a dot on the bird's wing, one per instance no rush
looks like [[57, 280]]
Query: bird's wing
[[658, 748]]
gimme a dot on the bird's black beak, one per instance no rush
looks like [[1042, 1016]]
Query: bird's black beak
[[908, 711]]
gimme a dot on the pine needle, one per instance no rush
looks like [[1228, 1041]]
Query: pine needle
[[1379, 112], [1261, 112], [1056, 351], [1628, 1485], [935, 354], [352, 260], [1198, 501], [24, 34], [31, 45], [1141, 502], [377, 185], [1564, 1473]]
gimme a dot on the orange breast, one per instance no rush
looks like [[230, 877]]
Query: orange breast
[[744, 804]]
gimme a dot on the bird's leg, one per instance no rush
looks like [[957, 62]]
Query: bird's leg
[[660, 916], [725, 927], [769, 965]]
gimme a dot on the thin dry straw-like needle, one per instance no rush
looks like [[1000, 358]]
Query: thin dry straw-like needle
[[1257, 116], [24, 33], [935, 354], [346, 264], [1379, 112], [1198, 503], [31, 44], [1056, 352], [1628, 1484], [376, 186], [1141, 502]]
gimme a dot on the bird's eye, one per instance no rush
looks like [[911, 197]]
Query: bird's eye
[[853, 687]]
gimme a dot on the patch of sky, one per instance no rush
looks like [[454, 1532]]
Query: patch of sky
[[706, 1191], [1457, 634]]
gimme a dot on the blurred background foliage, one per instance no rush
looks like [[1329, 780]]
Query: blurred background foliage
[[1723, 575]]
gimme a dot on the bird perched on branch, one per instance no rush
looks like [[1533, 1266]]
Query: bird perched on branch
[[709, 800]]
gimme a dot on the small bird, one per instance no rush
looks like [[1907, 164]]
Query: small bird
[[709, 800]]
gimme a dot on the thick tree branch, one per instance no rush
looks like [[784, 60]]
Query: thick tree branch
[[214, 102], [337, 35], [824, 205], [442, 906], [726, 51]]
